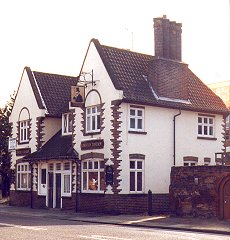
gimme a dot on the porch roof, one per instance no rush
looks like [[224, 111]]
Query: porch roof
[[58, 147]]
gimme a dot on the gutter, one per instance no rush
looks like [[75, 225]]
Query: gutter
[[174, 137]]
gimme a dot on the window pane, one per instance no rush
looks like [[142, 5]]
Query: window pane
[[210, 120], [132, 164], [199, 129], [58, 166], [139, 113], [211, 131], [43, 177], [51, 167], [23, 180], [95, 165], [139, 181], [205, 130], [139, 165], [94, 110], [70, 126], [205, 120], [88, 124], [90, 165], [84, 181], [93, 180], [139, 123], [102, 164], [84, 165], [66, 166], [199, 120], [132, 122], [132, 112], [93, 123], [18, 167], [66, 183], [19, 182], [98, 122], [88, 110], [132, 181], [22, 167], [29, 180], [102, 181]]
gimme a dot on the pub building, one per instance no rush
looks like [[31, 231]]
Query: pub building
[[113, 148]]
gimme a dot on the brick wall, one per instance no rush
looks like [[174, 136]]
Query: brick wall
[[194, 191], [20, 198]]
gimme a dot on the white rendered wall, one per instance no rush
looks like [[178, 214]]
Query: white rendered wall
[[157, 145]]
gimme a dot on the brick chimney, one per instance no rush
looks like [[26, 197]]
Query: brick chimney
[[167, 38]]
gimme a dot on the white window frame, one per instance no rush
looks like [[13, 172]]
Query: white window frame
[[23, 169], [24, 131], [66, 172], [136, 170], [90, 115], [136, 119], [205, 124], [67, 123], [88, 170]]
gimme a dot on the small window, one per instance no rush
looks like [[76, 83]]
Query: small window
[[136, 119], [43, 176], [93, 119], [24, 131], [205, 126], [67, 123]]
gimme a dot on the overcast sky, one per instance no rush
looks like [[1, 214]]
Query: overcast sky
[[53, 35]]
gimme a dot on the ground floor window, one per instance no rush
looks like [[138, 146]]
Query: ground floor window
[[23, 176], [136, 175], [93, 176]]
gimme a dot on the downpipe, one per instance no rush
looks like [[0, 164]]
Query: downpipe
[[174, 137]]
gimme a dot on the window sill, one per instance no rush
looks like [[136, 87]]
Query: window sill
[[207, 138], [137, 132], [93, 192]]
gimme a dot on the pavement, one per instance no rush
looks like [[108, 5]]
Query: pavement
[[166, 222]]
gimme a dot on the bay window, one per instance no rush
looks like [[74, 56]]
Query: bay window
[[93, 177], [23, 176]]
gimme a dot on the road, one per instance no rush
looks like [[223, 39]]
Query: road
[[37, 228]]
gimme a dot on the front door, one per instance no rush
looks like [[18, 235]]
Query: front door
[[58, 190], [227, 200]]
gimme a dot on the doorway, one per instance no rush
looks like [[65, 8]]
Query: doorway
[[54, 190]]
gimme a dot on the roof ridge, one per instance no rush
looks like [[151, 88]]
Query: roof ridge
[[55, 74]]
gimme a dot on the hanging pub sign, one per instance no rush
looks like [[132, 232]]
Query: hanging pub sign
[[23, 151], [77, 96], [92, 144], [109, 175]]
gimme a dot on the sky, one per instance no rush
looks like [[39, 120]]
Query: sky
[[53, 35]]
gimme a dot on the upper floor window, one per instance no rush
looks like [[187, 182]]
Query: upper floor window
[[23, 176], [205, 126], [136, 175], [93, 176], [136, 119], [24, 131], [67, 123], [93, 119]]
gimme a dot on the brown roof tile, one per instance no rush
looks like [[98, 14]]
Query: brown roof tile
[[127, 70]]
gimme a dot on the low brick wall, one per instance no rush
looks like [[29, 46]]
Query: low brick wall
[[122, 203], [194, 191]]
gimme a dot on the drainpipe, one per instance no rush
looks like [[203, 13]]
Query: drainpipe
[[31, 187], [174, 137]]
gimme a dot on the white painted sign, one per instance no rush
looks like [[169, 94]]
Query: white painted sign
[[12, 144]]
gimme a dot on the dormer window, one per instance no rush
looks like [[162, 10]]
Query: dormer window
[[93, 119], [67, 123], [24, 131]]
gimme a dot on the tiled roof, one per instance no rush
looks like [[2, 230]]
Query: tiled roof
[[55, 90], [58, 147], [130, 72]]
